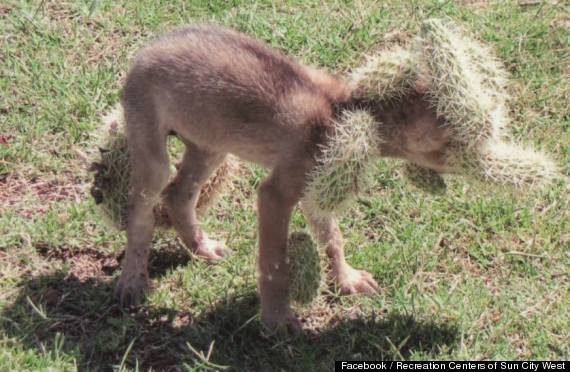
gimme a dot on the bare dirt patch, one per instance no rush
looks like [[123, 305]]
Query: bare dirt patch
[[35, 196], [89, 263], [85, 264]]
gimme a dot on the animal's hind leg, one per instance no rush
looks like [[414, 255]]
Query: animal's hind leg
[[182, 195], [150, 170]]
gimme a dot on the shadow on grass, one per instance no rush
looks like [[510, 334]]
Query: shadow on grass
[[97, 331], [160, 261]]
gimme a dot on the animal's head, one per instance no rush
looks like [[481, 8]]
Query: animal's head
[[410, 129], [440, 103]]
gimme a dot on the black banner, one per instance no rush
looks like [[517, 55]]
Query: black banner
[[530, 366]]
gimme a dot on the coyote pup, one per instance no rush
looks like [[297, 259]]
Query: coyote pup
[[221, 92]]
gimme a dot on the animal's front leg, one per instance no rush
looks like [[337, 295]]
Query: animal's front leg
[[275, 205], [348, 279]]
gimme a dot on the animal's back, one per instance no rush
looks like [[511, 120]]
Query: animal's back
[[216, 61], [223, 90]]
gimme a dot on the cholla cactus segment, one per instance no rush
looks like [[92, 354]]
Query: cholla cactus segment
[[467, 83], [342, 170], [219, 183], [508, 164], [305, 273], [112, 178], [387, 75], [425, 179], [469, 89], [495, 77], [111, 183]]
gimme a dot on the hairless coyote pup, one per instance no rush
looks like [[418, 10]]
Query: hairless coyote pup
[[222, 93]]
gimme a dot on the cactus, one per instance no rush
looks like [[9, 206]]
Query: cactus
[[305, 274], [457, 88], [493, 77], [506, 164], [388, 75], [111, 181], [343, 165], [468, 88], [220, 182]]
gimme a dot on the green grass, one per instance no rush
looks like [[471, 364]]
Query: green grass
[[474, 274]]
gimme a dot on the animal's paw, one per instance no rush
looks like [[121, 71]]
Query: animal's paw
[[282, 321], [132, 289], [352, 281], [212, 250]]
